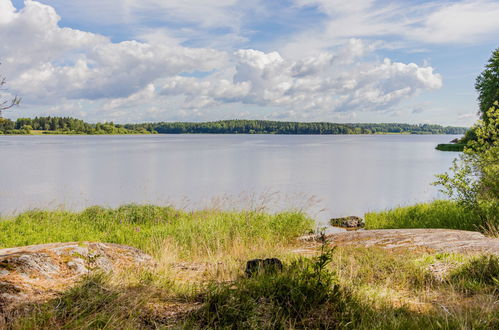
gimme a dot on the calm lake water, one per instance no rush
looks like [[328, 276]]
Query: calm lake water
[[345, 174]]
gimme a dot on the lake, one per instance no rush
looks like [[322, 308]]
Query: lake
[[333, 175]]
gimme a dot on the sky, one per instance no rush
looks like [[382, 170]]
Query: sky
[[132, 61]]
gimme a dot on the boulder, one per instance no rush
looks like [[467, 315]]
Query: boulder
[[436, 240], [38, 272], [347, 222]]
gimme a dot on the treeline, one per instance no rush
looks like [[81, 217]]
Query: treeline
[[66, 125], [63, 125], [279, 127]]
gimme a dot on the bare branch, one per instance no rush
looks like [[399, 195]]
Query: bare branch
[[7, 104]]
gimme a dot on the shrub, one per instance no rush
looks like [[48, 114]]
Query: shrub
[[305, 293]]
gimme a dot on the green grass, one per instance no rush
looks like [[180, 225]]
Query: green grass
[[151, 228], [437, 214], [451, 147], [476, 274], [289, 299], [348, 287], [308, 294]]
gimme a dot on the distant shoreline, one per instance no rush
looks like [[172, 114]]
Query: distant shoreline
[[49, 133], [72, 126]]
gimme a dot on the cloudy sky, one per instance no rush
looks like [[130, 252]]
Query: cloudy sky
[[195, 60]]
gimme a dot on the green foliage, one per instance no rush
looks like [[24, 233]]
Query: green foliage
[[278, 127], [477, 274], [66, 125], [487, 85], [473, 179], [450, 146], [470, 135], [438, 214], [289, 299], [147, 227]]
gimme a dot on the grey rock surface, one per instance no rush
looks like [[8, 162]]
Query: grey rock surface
[[439, 240], [36, 272]]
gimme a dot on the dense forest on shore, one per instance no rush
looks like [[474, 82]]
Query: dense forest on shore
[[66, 125], [62, 125]]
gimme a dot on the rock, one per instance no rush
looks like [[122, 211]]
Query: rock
[[78, 266], [33, 264], [439, 240], [347, 222], [34, 273], [256, 266]]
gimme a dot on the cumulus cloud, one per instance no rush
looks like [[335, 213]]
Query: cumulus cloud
[[321, 83], [47, 64], [50, 62]]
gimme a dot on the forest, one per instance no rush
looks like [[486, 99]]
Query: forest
[[63, 125], [67, 125]]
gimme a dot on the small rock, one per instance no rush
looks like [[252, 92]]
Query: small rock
[[270, 265], [347, 222]]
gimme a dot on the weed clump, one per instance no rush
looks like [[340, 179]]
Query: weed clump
[[477, 275]]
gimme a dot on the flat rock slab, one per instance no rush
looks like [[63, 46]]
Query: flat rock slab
[[37, 272], [439, 240]]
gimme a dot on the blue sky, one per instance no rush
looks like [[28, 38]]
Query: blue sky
[[196, 60]]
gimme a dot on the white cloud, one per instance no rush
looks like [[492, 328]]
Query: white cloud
[[439, 22], [460, 22], [313, 84], [135, 99], [48, 64]]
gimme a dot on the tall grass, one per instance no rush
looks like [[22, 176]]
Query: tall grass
[[352, 288], [437, 214], [150, 228], [294, 298], [477, 273]]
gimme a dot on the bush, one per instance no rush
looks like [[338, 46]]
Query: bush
[[297, 297]]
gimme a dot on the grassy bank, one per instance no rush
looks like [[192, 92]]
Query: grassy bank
[[437, 214], [199, 280], [351, 288], [152, 228], [450, 147]]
